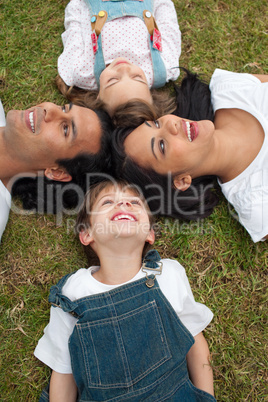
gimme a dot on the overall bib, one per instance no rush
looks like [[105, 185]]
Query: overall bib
[[108, 10], [128, 345]]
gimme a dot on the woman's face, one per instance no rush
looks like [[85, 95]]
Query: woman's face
[[171, 144]]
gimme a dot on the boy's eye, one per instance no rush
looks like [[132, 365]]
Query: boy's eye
[[135, 202], [107, 202]]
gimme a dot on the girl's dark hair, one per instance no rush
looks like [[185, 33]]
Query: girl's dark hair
[[193, 102], [43, 195]]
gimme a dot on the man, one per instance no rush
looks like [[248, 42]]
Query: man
[[52, 141]]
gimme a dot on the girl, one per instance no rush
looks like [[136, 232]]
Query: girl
[[115, 331], [115, 51], [234, 148]]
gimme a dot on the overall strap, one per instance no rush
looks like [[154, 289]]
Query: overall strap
[[57, 299], [102, 11]]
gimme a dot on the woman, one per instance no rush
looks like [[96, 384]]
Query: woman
[[234, 148]]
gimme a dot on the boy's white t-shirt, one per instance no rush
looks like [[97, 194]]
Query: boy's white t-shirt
[[5, 196], [52, 348], [248, 192]]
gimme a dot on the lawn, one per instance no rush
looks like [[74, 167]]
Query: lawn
[[227, 271]]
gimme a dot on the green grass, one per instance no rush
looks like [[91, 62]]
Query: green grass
[[227, 271]]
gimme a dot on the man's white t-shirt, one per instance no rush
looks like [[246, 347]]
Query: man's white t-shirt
[[248, 192], [52, 348], [5, 197]]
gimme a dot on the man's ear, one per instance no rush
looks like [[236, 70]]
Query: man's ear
[[58, 174], [85, 237], [151, 237], [182, 181]]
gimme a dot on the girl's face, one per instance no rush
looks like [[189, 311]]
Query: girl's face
[[122, 81], [120, 213], [171, 144]]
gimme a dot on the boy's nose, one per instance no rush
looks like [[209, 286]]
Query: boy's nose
[[124, 203]]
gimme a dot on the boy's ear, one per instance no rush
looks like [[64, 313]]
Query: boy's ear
[[151, 237], [182, 181], [57, 173], [85, 237]]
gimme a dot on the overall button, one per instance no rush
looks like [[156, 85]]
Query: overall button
[[148, 14], [101, 14]]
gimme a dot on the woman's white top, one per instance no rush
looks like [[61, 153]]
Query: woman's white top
[[123, 37], [248, 192], [52, 348]]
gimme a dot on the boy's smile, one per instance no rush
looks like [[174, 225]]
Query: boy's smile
[[123, 216]]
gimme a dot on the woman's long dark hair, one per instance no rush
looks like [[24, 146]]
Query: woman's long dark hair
[[193, 101], [41, 195]]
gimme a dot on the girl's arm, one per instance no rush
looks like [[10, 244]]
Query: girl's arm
[[76, 63], [167, 21], [62, 388], [199, 368]]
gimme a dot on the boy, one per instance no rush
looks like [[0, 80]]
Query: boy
[[117, 333]]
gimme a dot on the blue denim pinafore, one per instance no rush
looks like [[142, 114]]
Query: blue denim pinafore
[[128, 345], [123, 8]]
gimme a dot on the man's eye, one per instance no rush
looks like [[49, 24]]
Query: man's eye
[[162, 147], [65, 130], [157, 124]]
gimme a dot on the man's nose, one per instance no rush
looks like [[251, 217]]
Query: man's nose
[[53, 112]]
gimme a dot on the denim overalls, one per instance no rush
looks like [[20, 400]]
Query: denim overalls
[[112, 9], [128, 345]]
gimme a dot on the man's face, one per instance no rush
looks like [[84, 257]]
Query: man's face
[[47, 132]]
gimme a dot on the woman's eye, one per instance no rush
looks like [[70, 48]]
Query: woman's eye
[[157, 124], [63, 108], [162, 147]]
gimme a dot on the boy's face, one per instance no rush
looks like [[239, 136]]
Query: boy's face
[[121, 82], [119, 213]]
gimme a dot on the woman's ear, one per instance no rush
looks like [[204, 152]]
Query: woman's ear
[[182, 181], [85, 237], [58, 174]]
